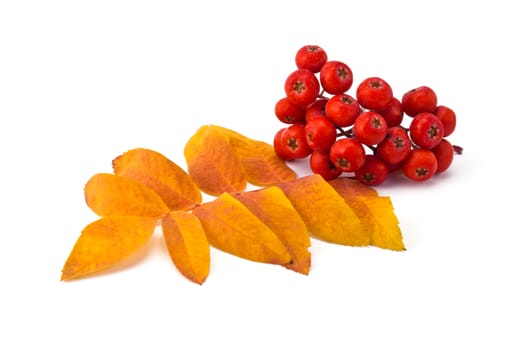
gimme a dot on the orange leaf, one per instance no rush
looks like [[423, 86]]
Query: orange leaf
[[213, 164], [108, 194], [274, 209], [105, 242], [263, 167], [325, 212], [167, 179], [376, 213], [187, 245], [232, 228]]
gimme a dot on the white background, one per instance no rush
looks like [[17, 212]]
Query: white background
[[82, 82]]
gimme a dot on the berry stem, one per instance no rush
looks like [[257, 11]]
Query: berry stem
[[347, 133], [457, 149]]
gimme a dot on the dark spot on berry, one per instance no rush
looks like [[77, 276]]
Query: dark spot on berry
[[299, 87], [375, 84], [421, 171], [292, 143], [342, 73]]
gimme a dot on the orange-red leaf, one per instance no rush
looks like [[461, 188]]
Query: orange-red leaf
[[167, 179], [262, 166], [105, 242], [376, 212], [232, 228], [274, 209], [109, 194], [187, 245], [212, 163], [325, 212]]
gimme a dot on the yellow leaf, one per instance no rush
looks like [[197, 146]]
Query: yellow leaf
[[274, 209], [105, 242], [187, 245], [167, 179], [325, 212], [375, 212], [109, 194], [212, 163], [262, 166], [232, 228]]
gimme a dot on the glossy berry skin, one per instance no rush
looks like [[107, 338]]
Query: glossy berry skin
[[370, 128], [373, 172], [420, 165], [290, 143], [288, 112], [374, 93], [419, 100], [336, 77], [342, 110], [320, 134], [448, 119], [321, 164], [347, 154], [302, 87], [395, 147], [393, 114], [316, 109], [311, 57], [444, 153], [426, 130]]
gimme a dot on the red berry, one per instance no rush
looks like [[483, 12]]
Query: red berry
[[288, 112], [448, 119], [395, 147], [420, 165], [374, 93], [373, 172], [393, 114], [279, 147], [444, 153], [320, 134], [302, 87], [418, 100], [347, 154], [392, 168], [321, 164], [316, 109], [426, 130], [291, 143], [370, 128], [336, 77], [311, 57], [342, 110]]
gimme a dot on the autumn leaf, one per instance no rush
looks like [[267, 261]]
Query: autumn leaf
[[232, 228], [105, 242], [262, 166], [109, 194], [187, 244], [212, 163], [270, 225], [325, 212], [167, 179], [376, 212], [274, 209]]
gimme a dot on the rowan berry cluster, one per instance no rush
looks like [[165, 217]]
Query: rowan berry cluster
[[364, 134]]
